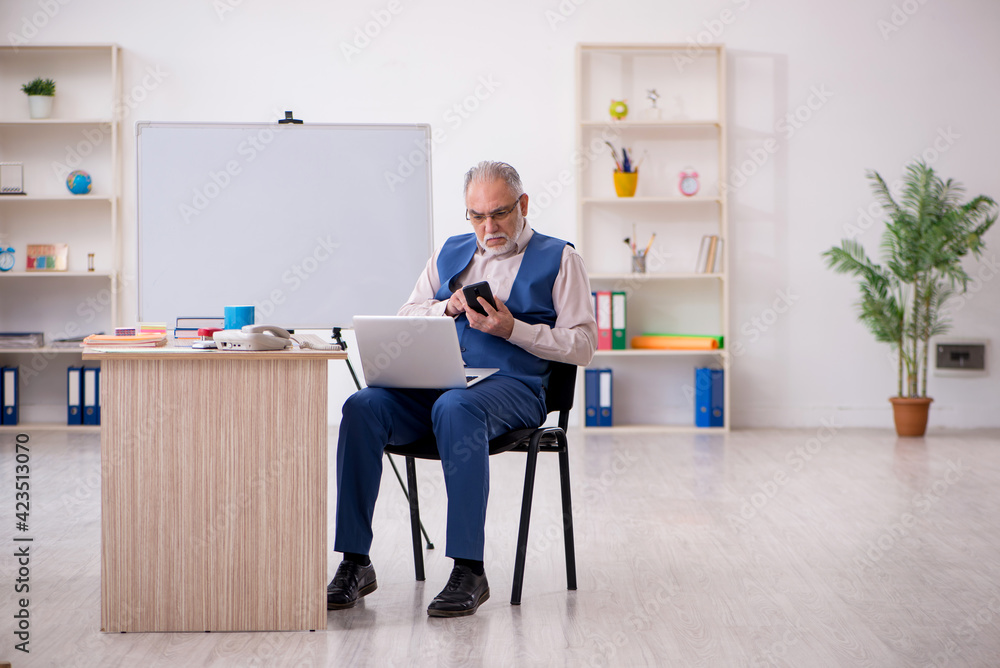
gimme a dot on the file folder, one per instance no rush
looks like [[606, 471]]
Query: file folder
[[91, 395], [708, 397], [10, 396], [605, 413], [717, 418], [590, 386], [74, 386], [603, 320], [618, 321]]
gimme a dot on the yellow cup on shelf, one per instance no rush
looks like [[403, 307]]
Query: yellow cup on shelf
[[625, 183]]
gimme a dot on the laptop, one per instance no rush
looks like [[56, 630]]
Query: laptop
[[413, 352]]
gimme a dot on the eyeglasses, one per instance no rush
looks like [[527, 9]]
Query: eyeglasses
[[498, 216]]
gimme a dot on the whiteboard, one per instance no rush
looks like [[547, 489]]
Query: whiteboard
[[311, 224]]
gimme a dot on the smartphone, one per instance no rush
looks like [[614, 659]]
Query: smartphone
[[476, 290]]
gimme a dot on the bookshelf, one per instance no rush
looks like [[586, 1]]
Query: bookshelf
[[82, 133], [653, 390]]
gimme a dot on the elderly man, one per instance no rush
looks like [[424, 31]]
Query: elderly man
[[543, 312]]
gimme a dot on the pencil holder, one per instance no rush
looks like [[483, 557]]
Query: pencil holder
[[625, 183], [639, 263]]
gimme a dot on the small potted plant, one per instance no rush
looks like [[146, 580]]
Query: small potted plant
[[40, 94], [929, 233]]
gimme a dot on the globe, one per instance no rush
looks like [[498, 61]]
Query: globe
[[78, 182]]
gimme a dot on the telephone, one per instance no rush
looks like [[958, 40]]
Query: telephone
[[253, 337]]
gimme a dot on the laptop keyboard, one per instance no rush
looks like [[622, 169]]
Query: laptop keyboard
[[468, 378]]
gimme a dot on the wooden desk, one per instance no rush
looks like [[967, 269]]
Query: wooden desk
[[213, 489]]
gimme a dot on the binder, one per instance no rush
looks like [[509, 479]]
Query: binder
[[708, 397], [74, 387], [590, 386], [605, 400], [604, 320], [717, 418], [618, 321], [91, 395], [10, 396]]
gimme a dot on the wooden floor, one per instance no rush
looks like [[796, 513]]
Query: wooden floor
[[797, 548]]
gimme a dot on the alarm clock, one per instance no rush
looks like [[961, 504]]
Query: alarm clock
[[6, 259], [618, 109], [688, 183]]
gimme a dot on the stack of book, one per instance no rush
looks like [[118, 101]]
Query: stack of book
[[709, 255], [137, 341], [153, 328], [186, 328], [69, 342], [22, 340]]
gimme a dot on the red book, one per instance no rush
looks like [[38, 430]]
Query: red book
[[603, 315]]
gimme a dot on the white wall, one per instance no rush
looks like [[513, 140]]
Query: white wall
[[869, 96]]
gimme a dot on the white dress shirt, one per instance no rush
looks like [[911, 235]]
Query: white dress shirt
[[573, 339]]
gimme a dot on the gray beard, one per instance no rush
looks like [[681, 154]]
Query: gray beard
[[509, 245]]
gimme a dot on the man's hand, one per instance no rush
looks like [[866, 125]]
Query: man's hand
[[456, 304], [498, 322]]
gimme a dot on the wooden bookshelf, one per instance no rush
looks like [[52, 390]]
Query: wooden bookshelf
[[653, 389], [83, 133]]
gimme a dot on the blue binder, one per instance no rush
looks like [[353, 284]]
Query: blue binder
[[605, 399], [590, 387], [718, 402], [708, 397], [91, 395], [74, 395], [10, 396]]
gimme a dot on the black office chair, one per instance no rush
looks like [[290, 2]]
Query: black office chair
[[558, 397]]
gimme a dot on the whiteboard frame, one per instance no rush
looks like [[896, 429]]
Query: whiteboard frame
[[143, 125]]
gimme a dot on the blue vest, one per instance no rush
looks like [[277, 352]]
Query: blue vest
[[530, 301]]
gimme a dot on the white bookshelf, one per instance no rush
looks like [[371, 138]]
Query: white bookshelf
[[653, 389], [83, 133]]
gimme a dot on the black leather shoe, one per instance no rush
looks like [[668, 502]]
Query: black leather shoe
[[462, 595], [351, 582]]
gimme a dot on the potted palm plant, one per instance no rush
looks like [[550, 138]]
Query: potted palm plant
[[929, 233], [40, 94]]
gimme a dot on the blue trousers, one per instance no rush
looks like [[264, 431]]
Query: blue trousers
[[462, 421]]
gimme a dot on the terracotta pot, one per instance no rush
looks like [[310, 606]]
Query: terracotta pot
[[910, 415]]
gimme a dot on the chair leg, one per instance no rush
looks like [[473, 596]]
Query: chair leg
[[522, 533], [402, 486], [567, 513], [418, 554]]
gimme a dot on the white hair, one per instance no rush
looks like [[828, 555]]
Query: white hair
[[489, 171]]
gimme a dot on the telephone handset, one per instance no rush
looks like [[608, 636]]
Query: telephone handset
[[253, 337], [267, 329]]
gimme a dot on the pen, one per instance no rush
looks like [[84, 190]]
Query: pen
[[614, 157], [635, 167]]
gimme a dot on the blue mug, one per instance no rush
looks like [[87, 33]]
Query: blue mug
[[238, 316]]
